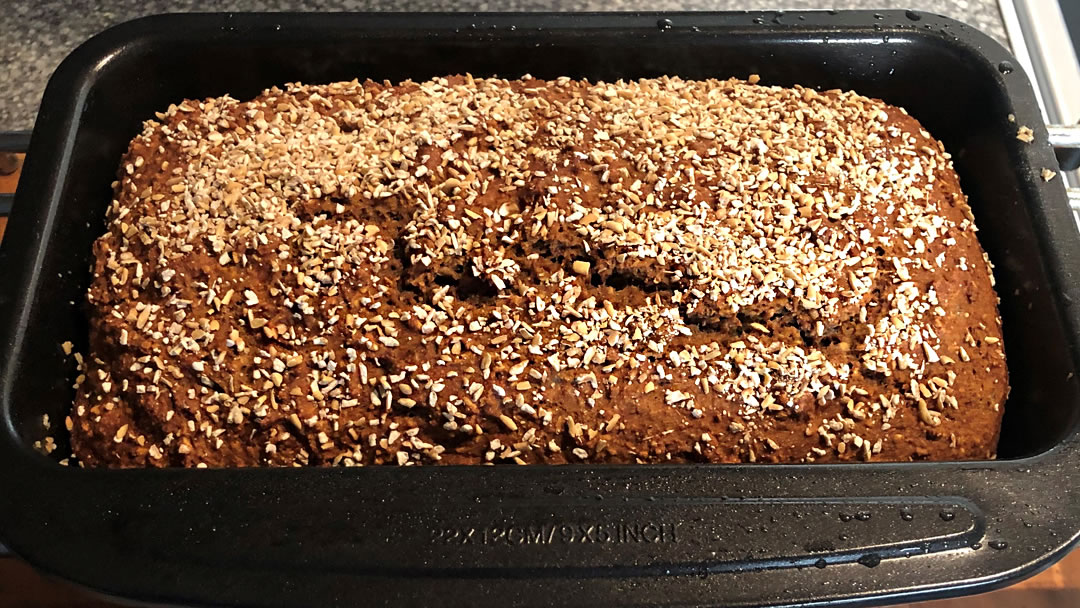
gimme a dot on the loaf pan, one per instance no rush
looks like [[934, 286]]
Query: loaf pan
[[572, 535]]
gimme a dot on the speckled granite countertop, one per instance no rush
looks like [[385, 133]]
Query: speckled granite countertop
[[35, 35]]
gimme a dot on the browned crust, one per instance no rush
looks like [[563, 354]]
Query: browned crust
[[469, 271]]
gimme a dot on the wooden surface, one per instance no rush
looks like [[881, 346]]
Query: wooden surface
[[7, 184], [1056, 587]]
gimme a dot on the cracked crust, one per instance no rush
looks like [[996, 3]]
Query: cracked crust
[[476, 271]]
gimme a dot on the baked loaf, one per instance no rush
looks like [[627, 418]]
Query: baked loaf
[[468, 271]]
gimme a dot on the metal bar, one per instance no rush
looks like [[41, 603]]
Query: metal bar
[[1074, 198], [1066, 142], [1041, 43], [1064, 136], [14, 141], [1040, 40]]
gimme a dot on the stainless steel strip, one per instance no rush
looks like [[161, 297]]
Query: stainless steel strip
[[1019, 44], [1053, 58], [1064, 136], [1042, 45]]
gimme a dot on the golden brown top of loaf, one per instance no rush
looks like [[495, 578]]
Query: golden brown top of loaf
[[455, 269]]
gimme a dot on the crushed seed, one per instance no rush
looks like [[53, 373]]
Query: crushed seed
[[352, 273]]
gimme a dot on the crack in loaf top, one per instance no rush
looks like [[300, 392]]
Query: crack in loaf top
[[459, 246]]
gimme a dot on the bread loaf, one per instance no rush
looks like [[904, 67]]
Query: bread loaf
[[475, 271]]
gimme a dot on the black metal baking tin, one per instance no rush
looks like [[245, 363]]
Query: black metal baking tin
[[661, 535]]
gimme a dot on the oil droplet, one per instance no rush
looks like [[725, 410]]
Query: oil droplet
[[512, 28], [1005, 67], [758, 20], [907, 515], [870, 560], [878, 16], [976, 546], [845, 517], [820, 563], [877, 28], [998, 545], [664, 24], [912, 15], [946, 515], [694, 28], [862, 516]]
